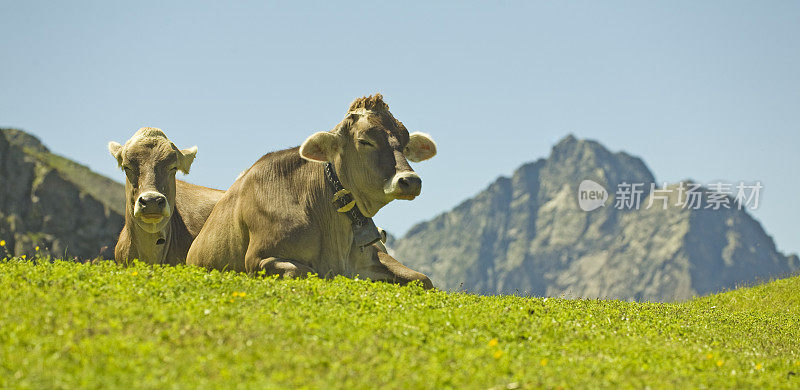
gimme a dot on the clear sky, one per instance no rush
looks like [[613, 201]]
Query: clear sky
[[707, 90]]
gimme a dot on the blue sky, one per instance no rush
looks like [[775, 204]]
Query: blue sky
[[705, 90]]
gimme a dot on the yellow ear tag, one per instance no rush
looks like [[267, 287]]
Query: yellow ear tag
[[346, 207], [340, 194]]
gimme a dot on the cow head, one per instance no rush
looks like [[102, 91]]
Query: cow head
[[150, 162], [370, 150]]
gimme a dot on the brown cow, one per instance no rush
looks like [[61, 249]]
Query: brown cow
[[162, 215], [309, 208]]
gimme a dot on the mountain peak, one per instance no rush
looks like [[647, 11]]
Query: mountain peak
[[22, 139], [54, 203], [565, 142], [571, 148], [529, 235]]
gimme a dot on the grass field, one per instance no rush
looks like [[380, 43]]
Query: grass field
[[68, 325]]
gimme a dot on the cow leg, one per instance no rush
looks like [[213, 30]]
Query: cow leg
[[284, 268], [402, 274], [375, 264]]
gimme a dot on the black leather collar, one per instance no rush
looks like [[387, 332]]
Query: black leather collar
[[364, 230]]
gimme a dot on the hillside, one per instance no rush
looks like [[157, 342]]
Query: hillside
[[54, 203], [70, 325], [526, 234]]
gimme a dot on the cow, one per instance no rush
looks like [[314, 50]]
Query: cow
[[162, 215], [309, 209]]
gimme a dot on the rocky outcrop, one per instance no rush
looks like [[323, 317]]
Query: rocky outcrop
[[56, 204], [526, 234]]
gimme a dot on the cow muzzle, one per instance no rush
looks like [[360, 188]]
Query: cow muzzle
[[404, 185], [151, 207]]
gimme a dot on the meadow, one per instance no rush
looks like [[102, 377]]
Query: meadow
[[100, 325]]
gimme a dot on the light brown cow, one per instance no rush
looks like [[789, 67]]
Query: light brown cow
[[162, 215], [283, 215]]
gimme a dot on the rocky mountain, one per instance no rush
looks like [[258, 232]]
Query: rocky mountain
[[526, 234], [54, 203]]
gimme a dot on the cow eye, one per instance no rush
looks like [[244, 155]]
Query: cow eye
[[365, 142], [131, 174]]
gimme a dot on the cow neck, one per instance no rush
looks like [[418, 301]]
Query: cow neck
[[153, 246], [364, 230]]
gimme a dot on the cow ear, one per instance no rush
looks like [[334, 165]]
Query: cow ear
[[320, 147], [116, 151], [420, 147], [185, 158]]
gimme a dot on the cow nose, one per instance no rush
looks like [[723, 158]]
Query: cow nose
[[408, 184], [152, 202]]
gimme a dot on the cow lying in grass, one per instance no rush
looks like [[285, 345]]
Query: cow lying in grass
[[162, 215], [308, 209]]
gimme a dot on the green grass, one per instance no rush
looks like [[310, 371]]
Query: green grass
[[68, 325]]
